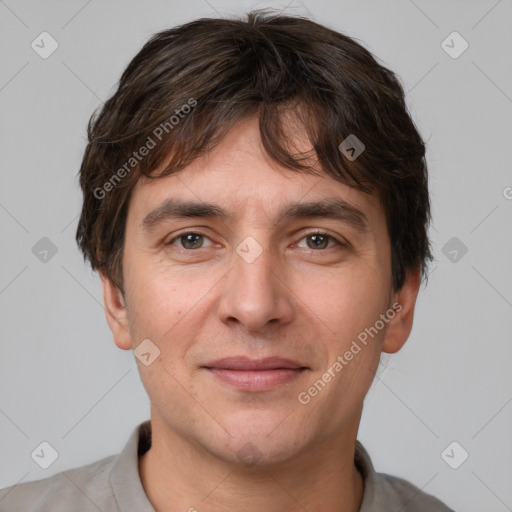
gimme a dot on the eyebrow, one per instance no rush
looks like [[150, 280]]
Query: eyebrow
[[331, 208]]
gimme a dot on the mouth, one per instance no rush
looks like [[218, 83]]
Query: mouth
[[255, 374]]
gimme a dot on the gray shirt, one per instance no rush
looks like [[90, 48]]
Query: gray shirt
[[113, 484]]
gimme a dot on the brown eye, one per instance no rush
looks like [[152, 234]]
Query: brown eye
[[189, 241], [319, 241]]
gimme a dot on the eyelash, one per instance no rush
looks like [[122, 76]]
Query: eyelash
[[312, 233]]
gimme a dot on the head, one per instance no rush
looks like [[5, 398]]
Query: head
[[256, 188]]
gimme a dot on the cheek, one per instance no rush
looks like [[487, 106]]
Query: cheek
[[169, 306], [345, 302], [160, 296]]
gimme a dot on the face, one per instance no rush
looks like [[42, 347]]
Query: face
[[259, 314]]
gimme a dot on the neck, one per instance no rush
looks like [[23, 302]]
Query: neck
[[178, 476]]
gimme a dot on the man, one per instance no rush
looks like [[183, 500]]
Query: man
[[256, 202]]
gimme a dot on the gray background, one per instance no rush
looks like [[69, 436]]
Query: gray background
[[63, 380]]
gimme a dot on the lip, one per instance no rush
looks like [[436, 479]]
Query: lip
[[245, 363], [248, 374]]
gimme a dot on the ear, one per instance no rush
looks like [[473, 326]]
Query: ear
[[400, 326], [116, 313]]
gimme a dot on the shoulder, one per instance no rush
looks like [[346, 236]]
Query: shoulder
[[81, 489], [387, 492], [409, 498]]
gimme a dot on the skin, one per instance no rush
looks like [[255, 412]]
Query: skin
[[294, 301]]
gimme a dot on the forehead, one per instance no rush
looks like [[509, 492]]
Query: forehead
[[243, 181]]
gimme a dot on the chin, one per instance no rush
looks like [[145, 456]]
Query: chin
[[258, 440], [256, 453]]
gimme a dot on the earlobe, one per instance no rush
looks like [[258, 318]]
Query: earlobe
[[404, 301], [116, 313]]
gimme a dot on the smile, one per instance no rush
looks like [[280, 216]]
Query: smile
[[255, 375]]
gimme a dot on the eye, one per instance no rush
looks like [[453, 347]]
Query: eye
[[320, 240], [317, 241], [189, 240]]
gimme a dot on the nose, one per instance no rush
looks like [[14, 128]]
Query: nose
[[256, 293]]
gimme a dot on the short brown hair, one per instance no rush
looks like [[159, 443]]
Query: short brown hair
[[269, 65]]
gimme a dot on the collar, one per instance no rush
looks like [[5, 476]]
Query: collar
[[130, 494]]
